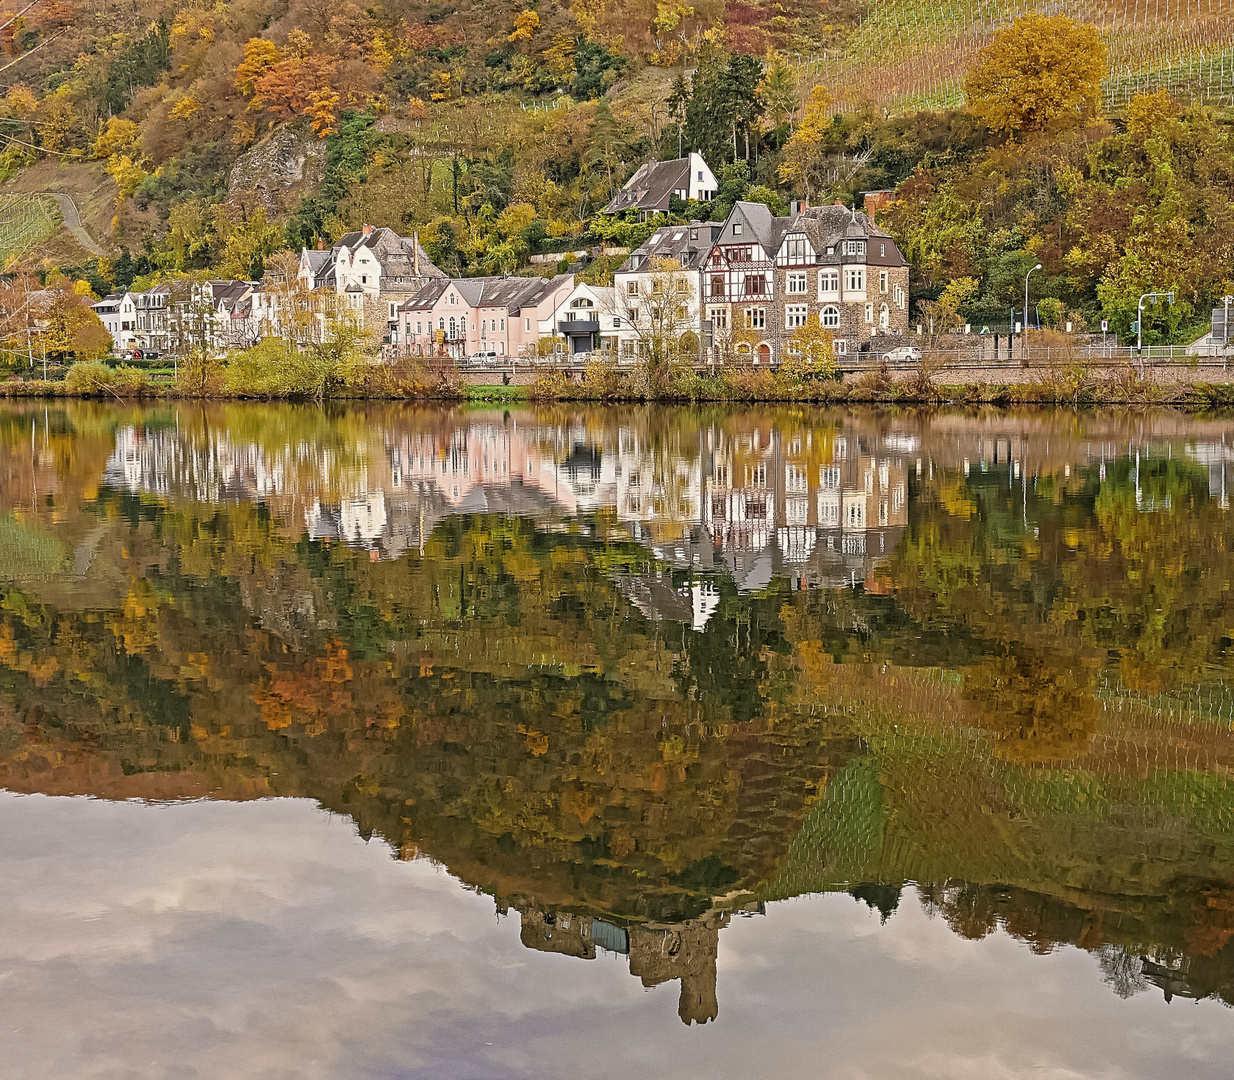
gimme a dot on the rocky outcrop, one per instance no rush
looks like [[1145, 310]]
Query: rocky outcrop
[[272, 176]]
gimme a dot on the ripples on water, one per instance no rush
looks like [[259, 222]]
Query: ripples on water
[[635, 677]]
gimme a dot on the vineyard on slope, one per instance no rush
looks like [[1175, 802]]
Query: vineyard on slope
[[907, 54]]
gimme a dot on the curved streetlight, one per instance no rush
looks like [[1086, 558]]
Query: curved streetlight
[[1139, 316], [1026, 277]]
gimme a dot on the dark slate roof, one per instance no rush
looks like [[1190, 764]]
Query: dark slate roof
[[694, 240], [318, 259], [397, 254], [827, 226], [510, 293], [651, 185]]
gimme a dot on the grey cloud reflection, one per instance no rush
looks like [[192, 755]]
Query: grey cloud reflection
[[267, 940]]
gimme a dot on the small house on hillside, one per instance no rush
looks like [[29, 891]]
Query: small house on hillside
[[654, 182]]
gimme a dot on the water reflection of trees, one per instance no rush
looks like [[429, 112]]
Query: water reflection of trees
[[998, 716]]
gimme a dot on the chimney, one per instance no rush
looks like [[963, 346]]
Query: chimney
[[366, 230], [321, 244], [415, 252], [839, 202]]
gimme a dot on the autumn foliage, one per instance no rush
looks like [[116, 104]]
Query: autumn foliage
[[1039, 71]]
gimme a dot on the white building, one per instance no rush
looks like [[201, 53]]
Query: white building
[[654, 183]]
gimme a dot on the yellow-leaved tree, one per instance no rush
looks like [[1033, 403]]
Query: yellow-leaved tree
[[1040, 71], [802, 162]]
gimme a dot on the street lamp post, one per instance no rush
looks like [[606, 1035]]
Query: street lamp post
[[1026, 277], [1139, 317]]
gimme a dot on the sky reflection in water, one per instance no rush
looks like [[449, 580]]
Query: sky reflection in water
[[266, 939], [650, 742]]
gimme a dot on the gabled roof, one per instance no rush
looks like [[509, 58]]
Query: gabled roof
[[428, 295], [316, 259], [398, 255], [694, 240], [827, 226], [651, 185], [511, 293], [757, 217]]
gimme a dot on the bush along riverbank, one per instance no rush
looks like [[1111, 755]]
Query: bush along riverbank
[[409, 380]]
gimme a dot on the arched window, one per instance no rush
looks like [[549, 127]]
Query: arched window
[[441, 324], [884, 317], [453, 327], [831, 315]]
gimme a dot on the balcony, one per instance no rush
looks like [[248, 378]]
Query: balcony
[[578, 326]]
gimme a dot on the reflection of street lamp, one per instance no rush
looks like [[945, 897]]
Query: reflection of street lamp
[[1139, 317], [1026, 277]]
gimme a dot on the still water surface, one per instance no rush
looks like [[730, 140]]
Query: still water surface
[[604, 743]]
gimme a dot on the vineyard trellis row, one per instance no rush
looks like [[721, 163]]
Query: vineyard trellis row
[[909, 55]]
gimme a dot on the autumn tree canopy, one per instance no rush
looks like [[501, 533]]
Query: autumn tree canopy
[[1039, 70]]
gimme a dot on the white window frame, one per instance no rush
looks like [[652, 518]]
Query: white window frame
[[829, 317]]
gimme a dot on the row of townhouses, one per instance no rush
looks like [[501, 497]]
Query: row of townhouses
[[225, 314], [740, 289]]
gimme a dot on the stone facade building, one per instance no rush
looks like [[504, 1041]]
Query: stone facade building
[[835, 263]]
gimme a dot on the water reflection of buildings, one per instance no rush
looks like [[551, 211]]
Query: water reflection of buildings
[[658, 952], [818, 505]]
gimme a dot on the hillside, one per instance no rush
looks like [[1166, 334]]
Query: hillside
[[210, 139]]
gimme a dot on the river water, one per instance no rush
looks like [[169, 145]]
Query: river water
[[615, 742]]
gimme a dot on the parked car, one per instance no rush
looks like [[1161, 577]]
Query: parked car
[[482, 358], [903, 354]]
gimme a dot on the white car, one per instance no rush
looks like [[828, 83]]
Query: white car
[[903, 354], [482, 358]]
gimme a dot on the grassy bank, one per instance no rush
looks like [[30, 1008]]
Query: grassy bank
[[736, 385]]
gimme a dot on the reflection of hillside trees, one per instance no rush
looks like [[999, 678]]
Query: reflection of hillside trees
[[1035, 612], [493, 700]]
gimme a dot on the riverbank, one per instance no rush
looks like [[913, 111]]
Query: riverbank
[[1195, 384], [746, 387]]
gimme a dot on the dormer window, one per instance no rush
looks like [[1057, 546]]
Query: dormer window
[[736, 228], [795, 248]]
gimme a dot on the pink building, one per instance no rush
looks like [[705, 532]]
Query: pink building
[[499, 316]]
